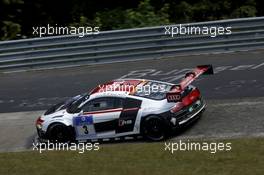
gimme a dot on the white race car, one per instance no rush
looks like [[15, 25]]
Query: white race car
[[125, 107]]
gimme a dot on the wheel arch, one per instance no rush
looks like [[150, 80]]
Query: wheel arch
[[70, 127], [143, 119]]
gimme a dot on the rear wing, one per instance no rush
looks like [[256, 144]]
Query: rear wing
[[175, 93], [191, 76]]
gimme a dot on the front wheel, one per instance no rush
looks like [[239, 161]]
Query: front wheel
[[154, 128], [59, 132]]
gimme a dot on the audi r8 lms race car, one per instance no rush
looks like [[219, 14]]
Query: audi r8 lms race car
[[125, 107]]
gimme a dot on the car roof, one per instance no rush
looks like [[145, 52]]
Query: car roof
[[122, 87], [117, 86]]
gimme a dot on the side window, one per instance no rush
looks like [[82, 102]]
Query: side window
[[103, 104], [132, 103], [118, 102]]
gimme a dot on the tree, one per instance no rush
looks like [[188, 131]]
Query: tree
[[10, 26], [142, 16], [18, 17]]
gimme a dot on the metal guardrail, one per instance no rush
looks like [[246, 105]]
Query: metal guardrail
[[127, 45]]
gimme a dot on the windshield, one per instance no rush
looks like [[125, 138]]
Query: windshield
[[68, 103], [73, 106], [153, 90]]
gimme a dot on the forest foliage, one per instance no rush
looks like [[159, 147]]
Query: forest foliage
[[17, 17]]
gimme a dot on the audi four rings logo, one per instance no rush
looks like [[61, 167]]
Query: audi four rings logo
[[173, 97]]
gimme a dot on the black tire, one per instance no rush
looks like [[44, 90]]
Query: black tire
[[59, 132], [154, 128]]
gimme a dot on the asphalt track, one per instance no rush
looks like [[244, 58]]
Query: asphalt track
[[235, 94]]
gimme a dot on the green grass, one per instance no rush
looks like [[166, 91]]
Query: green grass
[[246, 157]]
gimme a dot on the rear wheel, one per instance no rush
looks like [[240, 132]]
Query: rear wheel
[[59, 132], [154, 128]]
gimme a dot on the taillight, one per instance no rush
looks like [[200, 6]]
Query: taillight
[[186, 101], [195, 94], [191, 97]]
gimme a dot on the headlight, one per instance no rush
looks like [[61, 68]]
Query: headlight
[[39, 122]]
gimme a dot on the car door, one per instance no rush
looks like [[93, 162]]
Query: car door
[[129, 119], [100, 118]]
